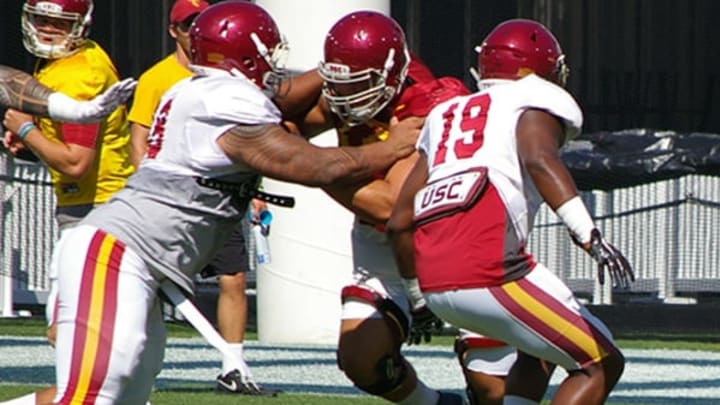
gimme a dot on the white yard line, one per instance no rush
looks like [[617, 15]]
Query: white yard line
[[651, 376]]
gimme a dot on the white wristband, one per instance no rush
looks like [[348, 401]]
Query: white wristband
[[62, 107], [577, 218], [412, 286]]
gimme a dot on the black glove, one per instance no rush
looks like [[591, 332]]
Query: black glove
[[424, 324], [607, 256]]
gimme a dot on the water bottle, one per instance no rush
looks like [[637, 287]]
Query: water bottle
[[260, 232], [265, 218]]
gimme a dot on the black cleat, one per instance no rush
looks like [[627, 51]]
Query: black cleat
[[470, 396], [234, 383], [447, 398]]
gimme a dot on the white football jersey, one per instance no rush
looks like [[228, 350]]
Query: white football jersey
[[173, 223], [195, 120], [479, 131]]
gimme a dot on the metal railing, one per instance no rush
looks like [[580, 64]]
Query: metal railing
[[669, 230]]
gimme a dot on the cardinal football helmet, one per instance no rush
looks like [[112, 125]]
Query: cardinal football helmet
[[365, 65], [51, 45], [518, 47], [239, 36]]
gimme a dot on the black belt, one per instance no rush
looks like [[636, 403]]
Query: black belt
[[245, 190]]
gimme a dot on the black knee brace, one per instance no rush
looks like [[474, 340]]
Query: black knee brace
[[391, 371], [390, 311]]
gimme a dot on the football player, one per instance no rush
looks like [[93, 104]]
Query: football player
[[212, 136], [462, 219], [56, 32], [370, 78], [88, 162]]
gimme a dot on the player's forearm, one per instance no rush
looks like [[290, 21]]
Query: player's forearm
[[322, 167], [357, 163], [21, 91], [370, 201], [401, 225], [272, 152], [552, 180], [138, 143], [352, 164], [299, 93], [403, 250], [70, 160]]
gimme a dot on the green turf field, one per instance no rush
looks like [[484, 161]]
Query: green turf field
[[205, 397], [639, 340], [187, 391], [182, 397]]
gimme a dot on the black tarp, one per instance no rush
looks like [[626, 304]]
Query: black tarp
[[617, 159]]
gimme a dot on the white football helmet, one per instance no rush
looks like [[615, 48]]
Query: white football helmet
[[52, 45]]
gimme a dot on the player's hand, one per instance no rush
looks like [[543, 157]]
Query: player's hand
[[14, 119], [424, 324], [405, 133], [111, 98], [608, 257], [257, 206], [63, 108], [13, 143]]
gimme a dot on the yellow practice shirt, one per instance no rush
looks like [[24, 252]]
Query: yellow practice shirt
[[152, 85], [83, 75]]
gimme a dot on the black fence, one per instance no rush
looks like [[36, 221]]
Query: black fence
[[634, 63]]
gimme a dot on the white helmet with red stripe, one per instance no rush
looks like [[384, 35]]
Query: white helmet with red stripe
[[43, 26]]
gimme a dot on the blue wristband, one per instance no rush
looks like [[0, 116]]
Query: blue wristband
[[25, 129]]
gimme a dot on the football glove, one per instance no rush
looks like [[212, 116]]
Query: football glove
[[424, 324], [608, 257]]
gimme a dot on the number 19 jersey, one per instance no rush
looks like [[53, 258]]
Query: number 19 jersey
[[484, 245]]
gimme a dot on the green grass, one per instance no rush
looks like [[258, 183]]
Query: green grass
[[204, 396], [36, 327], [201, 394]]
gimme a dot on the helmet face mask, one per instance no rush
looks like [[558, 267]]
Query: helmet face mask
[[276, 59], [517, 48], [358, 96], [365, 65], [241, 38], [55, 28]]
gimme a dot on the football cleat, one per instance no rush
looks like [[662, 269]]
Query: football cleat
[[234, 383], [447, 398]]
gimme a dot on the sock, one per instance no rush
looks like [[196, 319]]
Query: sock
[[515, 400], [421, 395], [237, 362], [28, 399]]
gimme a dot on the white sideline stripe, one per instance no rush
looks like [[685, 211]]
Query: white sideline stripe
[[651, 376]]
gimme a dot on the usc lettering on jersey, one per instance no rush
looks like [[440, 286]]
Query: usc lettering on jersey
[[416, 100], [488, 240]]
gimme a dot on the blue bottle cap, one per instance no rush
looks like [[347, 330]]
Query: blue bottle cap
[[265, 217]]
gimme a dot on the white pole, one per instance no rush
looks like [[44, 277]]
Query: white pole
[[298, 293]]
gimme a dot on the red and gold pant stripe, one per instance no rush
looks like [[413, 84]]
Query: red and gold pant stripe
[[553, 321], [95, 319]]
